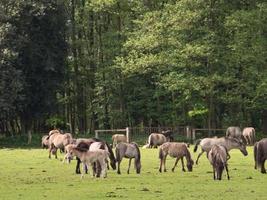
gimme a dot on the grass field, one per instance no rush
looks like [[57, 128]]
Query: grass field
[[29, 174]]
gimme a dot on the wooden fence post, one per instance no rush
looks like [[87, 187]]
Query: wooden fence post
[[128, 134]]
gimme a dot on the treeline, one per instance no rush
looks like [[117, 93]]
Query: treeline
[[81, 65]]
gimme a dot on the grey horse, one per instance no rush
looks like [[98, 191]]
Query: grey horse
[[229, 142]]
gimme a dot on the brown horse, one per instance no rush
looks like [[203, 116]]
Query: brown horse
[[58, 141], [156, 139], [88, 158], [249, 135], [128, 150], [260, 154], [218, 159], [117, 138], [176, 150]]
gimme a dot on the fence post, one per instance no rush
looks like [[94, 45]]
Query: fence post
[[188, 132], [193, 134], [96, 134], [128, 134]]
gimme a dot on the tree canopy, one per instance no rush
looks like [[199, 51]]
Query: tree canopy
[[82, 65]]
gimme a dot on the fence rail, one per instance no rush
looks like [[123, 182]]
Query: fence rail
[[180, 133]]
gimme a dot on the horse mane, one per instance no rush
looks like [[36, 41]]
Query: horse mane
[[111, 154]]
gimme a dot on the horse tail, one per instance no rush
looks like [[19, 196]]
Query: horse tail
[[150, 140], [259, 155], [111, 156], [253, 136], [138, 158], [255, 154], [161, 154], [196, 145]]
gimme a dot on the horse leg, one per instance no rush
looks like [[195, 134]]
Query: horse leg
[[164, 163], [183, 164], [128, 171], [263, 170], [160, 165], [119, 170], [78, 171], [226, 168], [177, 159], [49, 156], [83, 171], [214, 176], [199, 156]]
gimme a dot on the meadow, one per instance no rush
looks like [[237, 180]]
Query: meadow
[[29, 174]]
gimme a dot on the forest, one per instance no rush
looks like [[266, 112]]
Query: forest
[[82, 65]]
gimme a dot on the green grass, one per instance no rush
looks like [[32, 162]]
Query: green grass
[[29, 174]]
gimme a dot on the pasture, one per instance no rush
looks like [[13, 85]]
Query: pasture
[[29, 174]]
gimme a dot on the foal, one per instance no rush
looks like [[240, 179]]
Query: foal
[[218, 159], [89, 158], [175, 150]]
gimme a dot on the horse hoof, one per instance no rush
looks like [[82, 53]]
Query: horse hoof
[[118, 172], [172, 170], [160, 170], [165, 170], [183, 170]]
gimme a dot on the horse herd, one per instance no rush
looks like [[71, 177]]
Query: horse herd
[[98, 154]]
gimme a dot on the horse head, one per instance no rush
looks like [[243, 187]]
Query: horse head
[[240, 145]]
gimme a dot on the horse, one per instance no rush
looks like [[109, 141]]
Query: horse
[[85, 143], [218, 159], [176, 150], [168, 134], [58, 141], [228, 142], [89, 158], [249, 135], [156, 139], [117, 138], [234, 132], [45, 142], [128, 150], [260, 154]]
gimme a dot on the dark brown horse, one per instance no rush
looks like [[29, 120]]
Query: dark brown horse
[[218, 159], [260, 154], [176, 150]]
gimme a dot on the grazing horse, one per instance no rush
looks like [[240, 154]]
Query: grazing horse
[[117, 138], [156, 139], [228, 142], [45, 142], [89, 158], [168, 134], [249, 135], [260, 154], [85, 143], [58, 141], [218, 159], [128, 150], [176, 150], [234, 132]]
